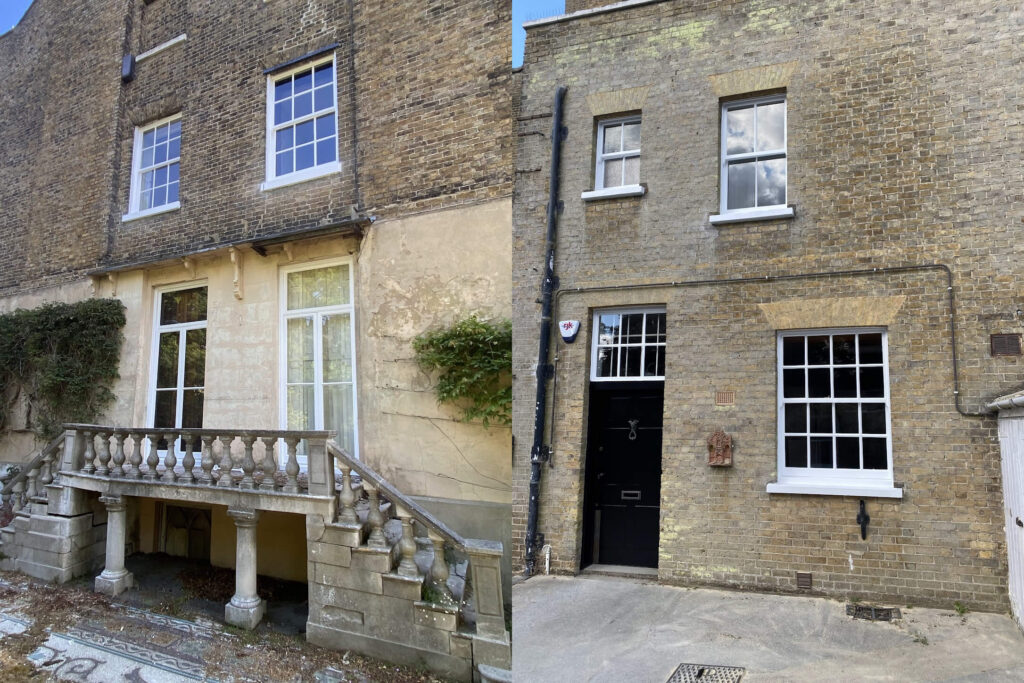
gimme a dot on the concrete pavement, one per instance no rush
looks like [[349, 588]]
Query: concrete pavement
[[598, 628]]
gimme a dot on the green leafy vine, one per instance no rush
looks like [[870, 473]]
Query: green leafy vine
[[61, 359], [474, 359]]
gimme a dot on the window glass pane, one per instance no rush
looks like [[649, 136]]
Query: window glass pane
[[284, 162], [146, 199], [771, 126], [303, 81], [192, 409], [318, 287], [632, 328], [147, 158], [655, 327], [161, 134], [796, 417], [771, 182], [282, 112], [608, 328], [741, 186], [612, 139], [631, 136], [159, 154], [845, 382], [613, 173], [821, 418], [300, 410], [606, 360], [821, 451], [161, 176], [285, 138], [844, 350], [876, 456], [303, 157], [282, 89], [661, 362], [792, 350], [300, 349], [323, 98], [160, 196], [848, 453], [793, 383], [337, 348], [324, 74], [183, 306], [147, 138], [303, 104], [846, 418], [167, 361], [818, 385], [172, 172], [632, 171], [871, 383], [873, 416], [175, 127], [172, 193], [630, 361], [165, 409], [338, 413], [871, 348], [304, 133], [195, 358], [326, 151], [817, 351], [174, 148], [739, 126], [796, 451], [325, 126]]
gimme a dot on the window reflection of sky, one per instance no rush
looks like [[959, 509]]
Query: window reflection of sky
[[755, 130]]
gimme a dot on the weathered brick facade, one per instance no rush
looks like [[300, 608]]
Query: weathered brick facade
[[904, 149]]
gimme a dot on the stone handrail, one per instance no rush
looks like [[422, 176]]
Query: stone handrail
[[220, 458], [38, 472], [484, 556]]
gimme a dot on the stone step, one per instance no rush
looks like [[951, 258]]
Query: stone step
[[492, 674]]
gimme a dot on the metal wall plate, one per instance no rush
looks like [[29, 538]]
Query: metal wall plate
[[873, 613], [706, 673]]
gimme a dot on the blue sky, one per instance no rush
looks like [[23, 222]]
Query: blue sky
[[11, 12]]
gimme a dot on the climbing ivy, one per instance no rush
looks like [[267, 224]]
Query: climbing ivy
[[62, 360], [474, 358]]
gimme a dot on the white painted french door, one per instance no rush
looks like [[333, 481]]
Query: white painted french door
[[318, 384], [178, 360]]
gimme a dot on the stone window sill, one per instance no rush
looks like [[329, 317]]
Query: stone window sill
[[301, 176], [745, 215], [863, 490], [135, 215], [614, 192]]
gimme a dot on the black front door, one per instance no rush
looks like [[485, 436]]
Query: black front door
[[623, 474]]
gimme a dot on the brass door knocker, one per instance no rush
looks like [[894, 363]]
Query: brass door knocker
[[632, 429]]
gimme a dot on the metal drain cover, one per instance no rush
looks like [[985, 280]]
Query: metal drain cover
[[873, 613], [706, 673]]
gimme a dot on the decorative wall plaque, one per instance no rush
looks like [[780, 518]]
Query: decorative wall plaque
[[720, 449]]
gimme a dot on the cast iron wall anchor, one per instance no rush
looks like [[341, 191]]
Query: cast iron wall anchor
[[863, 519]]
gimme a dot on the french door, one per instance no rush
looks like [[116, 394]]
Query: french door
[[178, 375], [318, 349]]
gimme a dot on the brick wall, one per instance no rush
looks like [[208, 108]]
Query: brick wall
[[901, 151]]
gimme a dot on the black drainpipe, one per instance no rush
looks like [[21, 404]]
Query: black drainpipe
[[538, 454]]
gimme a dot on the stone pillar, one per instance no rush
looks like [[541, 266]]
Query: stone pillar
[[246, 608], [115, 579]]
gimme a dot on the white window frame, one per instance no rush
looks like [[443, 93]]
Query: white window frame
[[822, 481], [600, 191], [725, 214], [272, 179], [643, 345], [135, 189], [154, 351], [285, 314]]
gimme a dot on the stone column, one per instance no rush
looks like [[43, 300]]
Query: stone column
[[246, 608], [115, 579]]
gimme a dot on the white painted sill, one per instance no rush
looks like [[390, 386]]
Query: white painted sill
[[136, 215], [764, 214], [865, 491], [613, 192], [301, 176]]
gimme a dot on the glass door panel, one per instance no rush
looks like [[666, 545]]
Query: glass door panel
[[179, 361]]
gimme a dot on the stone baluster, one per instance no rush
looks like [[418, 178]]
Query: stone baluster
[[246, 608], [89, 456], [118, 458], [46, 471], [135, 460], [292, 468], [153, 459], [18, 499], [347, 499], [439, 569], [115, 579], [225, 460], [269, 463], [207, 461], [189, 461], [104, 454], [248, 463], [375, 519], [170, 459], [407, 546], [32, 482]]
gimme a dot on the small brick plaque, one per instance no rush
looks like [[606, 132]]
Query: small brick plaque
[[720, 449]]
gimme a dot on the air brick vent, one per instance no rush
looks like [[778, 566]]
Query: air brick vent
[[1006, 345]]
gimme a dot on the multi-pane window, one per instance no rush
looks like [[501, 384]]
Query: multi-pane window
[[319, 352], [179, 360], [754, 154], [834, 405], [302, 136], [155, 162], [618, 153], [629, 345]]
